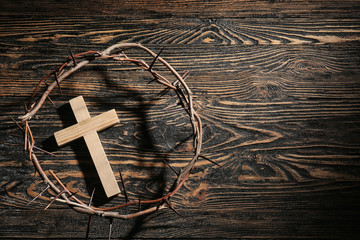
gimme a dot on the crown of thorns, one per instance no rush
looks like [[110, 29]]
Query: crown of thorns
[[116, 53]]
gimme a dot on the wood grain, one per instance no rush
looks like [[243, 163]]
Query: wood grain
[[275, 82], [315, 9], [81, 129], [87, 128]]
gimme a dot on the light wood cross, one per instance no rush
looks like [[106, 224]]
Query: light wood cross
[[87, 127]]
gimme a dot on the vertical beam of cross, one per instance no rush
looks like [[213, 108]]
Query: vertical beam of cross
[[87, 128]]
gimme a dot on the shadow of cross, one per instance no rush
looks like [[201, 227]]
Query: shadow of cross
[[87, 127]]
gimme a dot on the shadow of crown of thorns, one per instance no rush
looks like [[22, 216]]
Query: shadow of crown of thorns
[[117, 53]]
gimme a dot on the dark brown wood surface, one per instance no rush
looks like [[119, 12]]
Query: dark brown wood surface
[[277, 84]]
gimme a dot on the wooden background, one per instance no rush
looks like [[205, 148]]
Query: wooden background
[[277, 84]]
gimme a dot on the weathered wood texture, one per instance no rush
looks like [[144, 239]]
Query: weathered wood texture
[[275, 82]]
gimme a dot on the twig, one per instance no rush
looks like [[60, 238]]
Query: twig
[[26, 135]]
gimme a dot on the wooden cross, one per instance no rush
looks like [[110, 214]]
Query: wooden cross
[[87, 127]]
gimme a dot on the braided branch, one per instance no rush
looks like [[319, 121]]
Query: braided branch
[[117, 53]]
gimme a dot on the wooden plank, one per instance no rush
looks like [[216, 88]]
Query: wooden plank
[[275, 82], [224, 31], [94, 145], [102, 164], [82, 128], [81, 113], [87, 128], [317, 9]]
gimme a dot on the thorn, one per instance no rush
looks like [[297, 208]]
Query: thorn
[[163, 92], [152, 80], [88, 226], [175, 107], [92, 197], [123, 184], [51, 100], [17, 124], [27, 106], [172, 208], [42, 150], [72, 194], [177, 174], [46, 83], [57, 81], [185, 76], [202, 156], [123, 53], [72, 55], [110, 228], [61, 192], [41, 193], [157, 56]]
